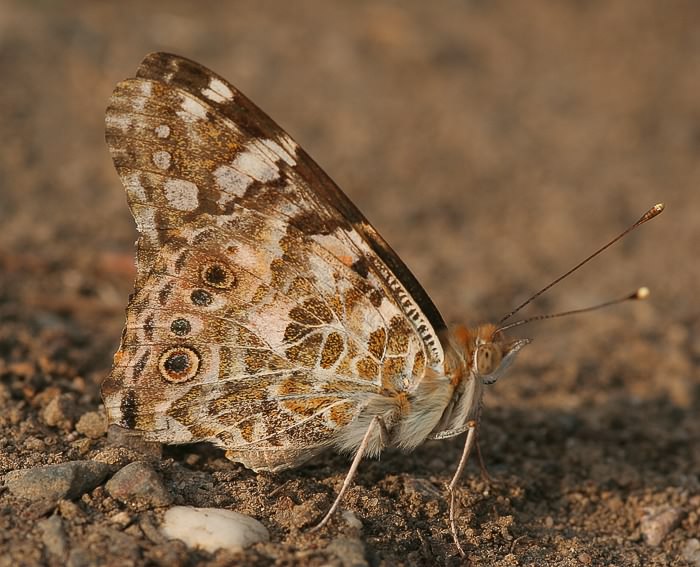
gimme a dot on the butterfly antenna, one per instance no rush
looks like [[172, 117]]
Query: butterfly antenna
[[641, 293], [650, 214]]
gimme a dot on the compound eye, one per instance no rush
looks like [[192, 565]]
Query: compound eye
[[488, 357]]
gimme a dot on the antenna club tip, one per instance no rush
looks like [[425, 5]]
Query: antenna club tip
[[651, 213], [642, 293]]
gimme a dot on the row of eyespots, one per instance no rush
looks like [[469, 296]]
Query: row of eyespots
[[181, 363]]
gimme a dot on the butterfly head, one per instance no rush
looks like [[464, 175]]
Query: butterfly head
[[488, 353], [475, 357]]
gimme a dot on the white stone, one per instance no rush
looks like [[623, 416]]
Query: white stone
[[212, 528], [658, 522], [182, 194], [351, 519]]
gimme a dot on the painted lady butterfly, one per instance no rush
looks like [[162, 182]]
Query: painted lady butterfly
[[269, 317]]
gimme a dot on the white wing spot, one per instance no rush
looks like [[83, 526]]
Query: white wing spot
[[181, 194], [255, 164], [145, 218], [231, 182], [218, 91], [249, 165], [279, 151], [289, 144], [145, 87], [192, 109], [121, 121], [162, 159], [118, 153], [162, 131], [134, 188]]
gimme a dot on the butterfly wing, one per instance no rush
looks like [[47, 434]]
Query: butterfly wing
[[266, 308]]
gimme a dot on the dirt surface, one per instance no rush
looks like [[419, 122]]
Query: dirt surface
[[494, 144]]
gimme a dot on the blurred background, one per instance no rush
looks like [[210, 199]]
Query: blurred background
[[493, 144]]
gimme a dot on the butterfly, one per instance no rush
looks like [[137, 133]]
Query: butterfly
[[269, 317]]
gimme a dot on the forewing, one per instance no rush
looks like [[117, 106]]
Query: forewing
[[180, 117]]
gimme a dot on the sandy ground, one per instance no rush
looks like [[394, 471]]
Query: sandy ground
[[494, 144]]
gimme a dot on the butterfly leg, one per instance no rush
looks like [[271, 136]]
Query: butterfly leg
[[468, 445], [376, 422], [484, 472]]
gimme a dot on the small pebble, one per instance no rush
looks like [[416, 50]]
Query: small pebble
[[212, 528], [152, 532], [21, 368], [691, 552], [39, 508], [34, 444], [79, 557], [60, 412], [122, 519], [170, 553], [53, 535], [53, 482], [82, 446], [351, 552], [423, 488], [138, 484], [70, 511], [351, 519], [92, 424], [658, 523]]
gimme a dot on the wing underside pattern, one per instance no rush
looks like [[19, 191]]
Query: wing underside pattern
[[266, 307]]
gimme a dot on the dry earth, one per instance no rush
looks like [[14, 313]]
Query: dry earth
[[493, 144]]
